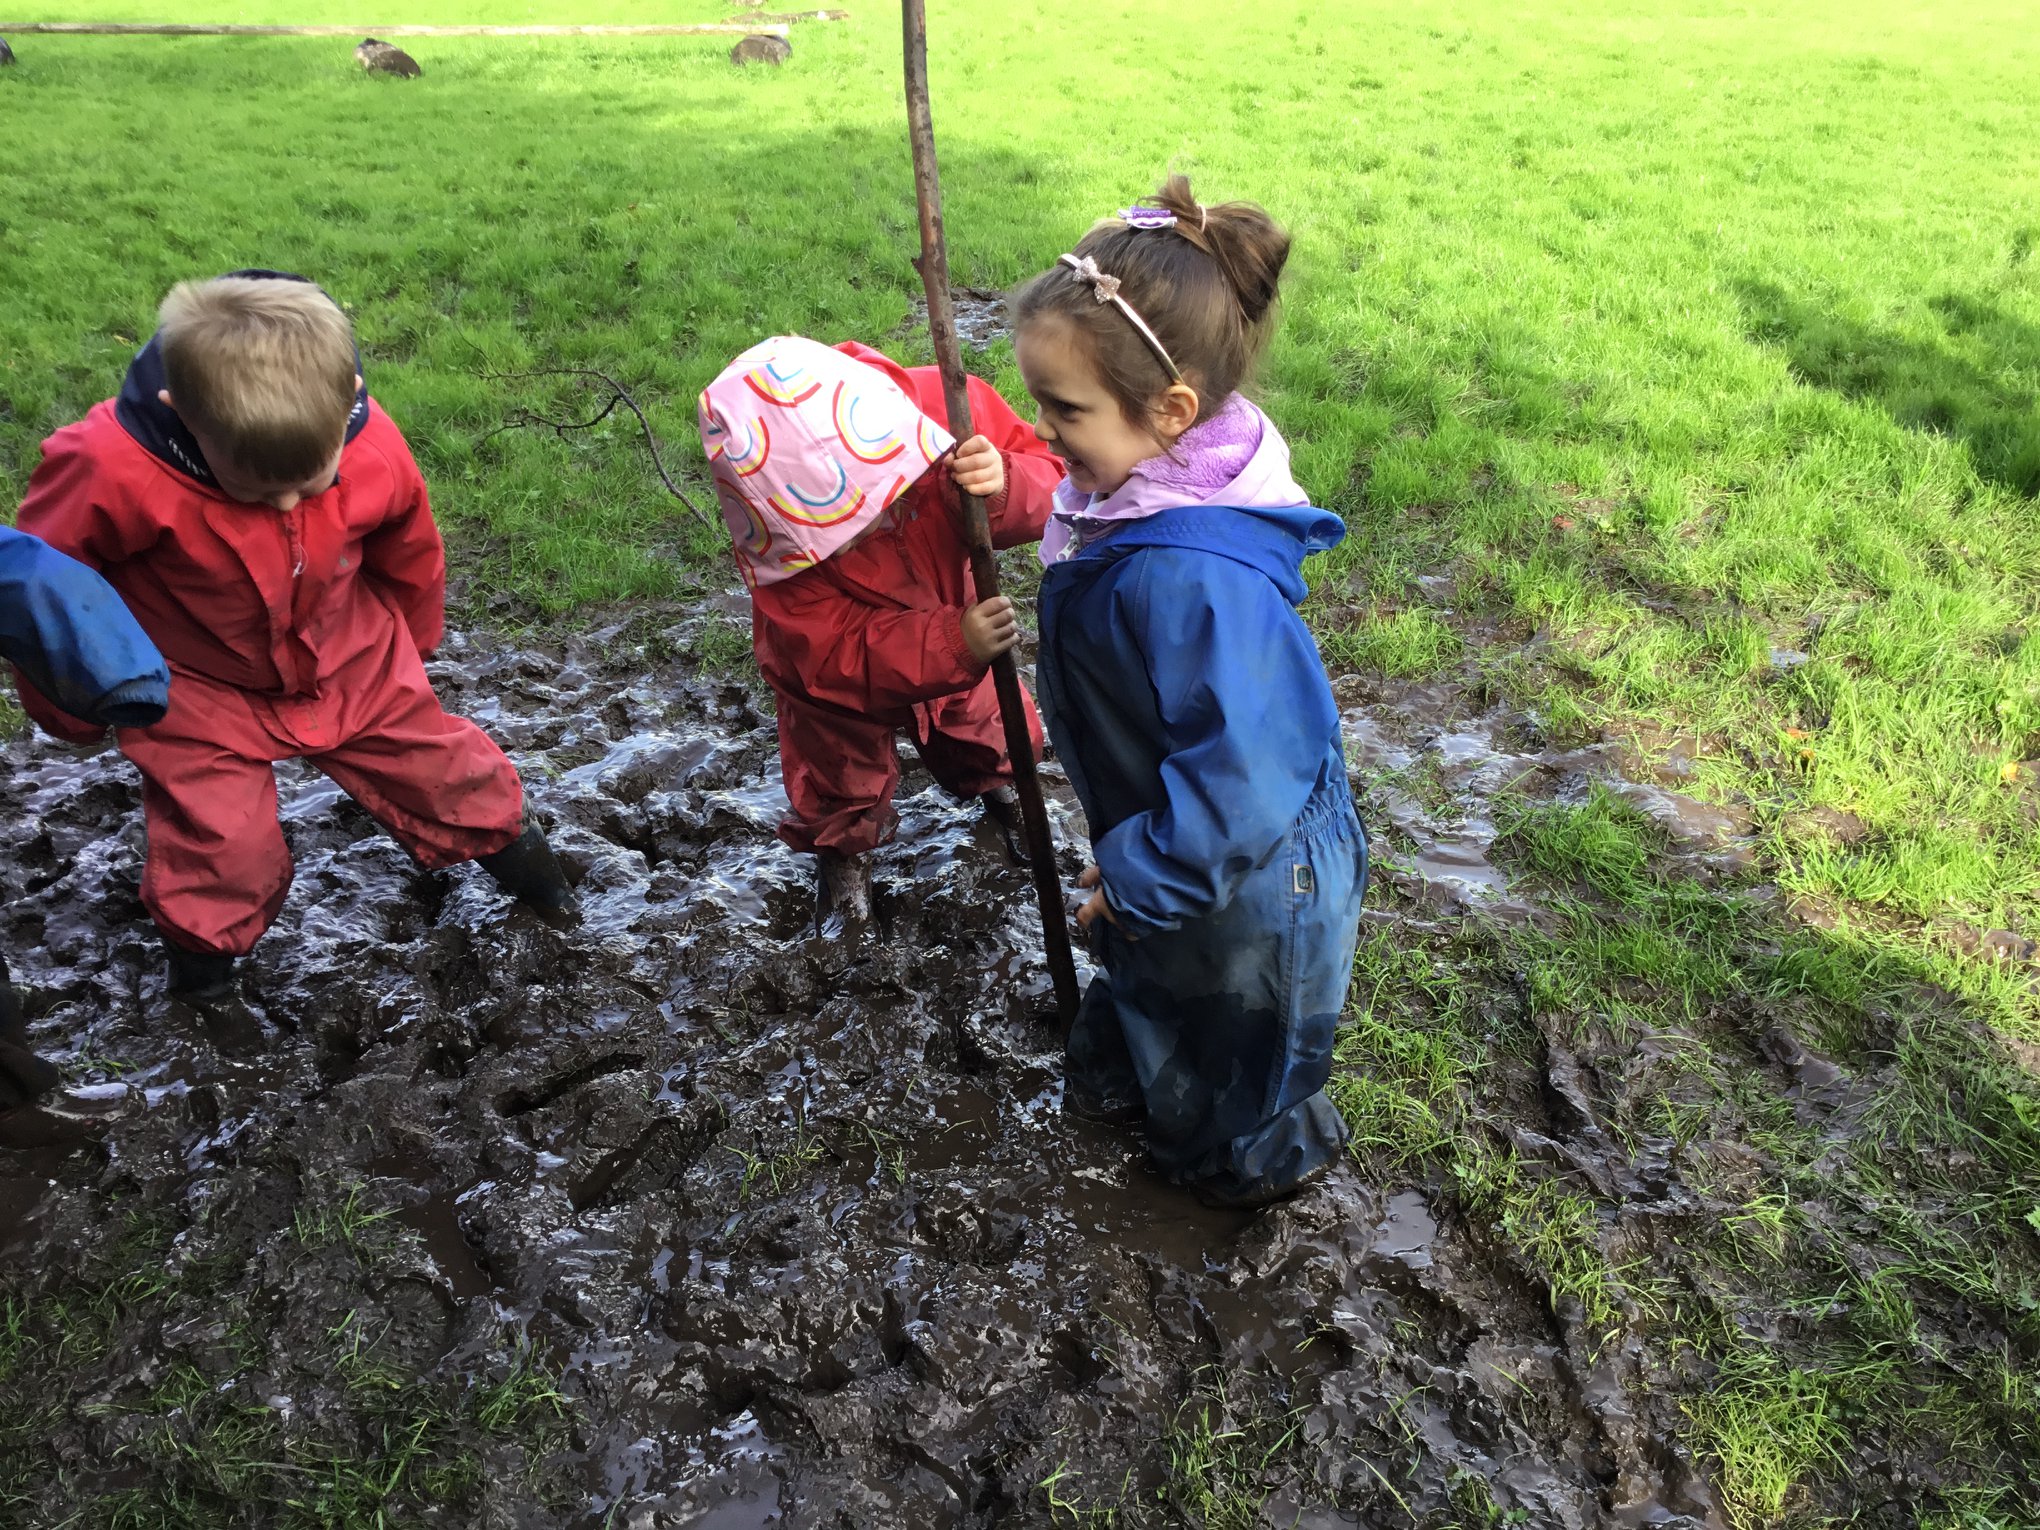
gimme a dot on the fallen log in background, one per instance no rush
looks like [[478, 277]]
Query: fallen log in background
[[230, 29]]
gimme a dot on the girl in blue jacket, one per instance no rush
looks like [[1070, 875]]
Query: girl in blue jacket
[[1188, 703]]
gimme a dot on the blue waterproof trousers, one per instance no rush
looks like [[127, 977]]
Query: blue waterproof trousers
[[1223, 1027]]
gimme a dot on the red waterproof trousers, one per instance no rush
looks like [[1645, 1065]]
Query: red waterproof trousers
[[869, 643], [841, 772], [218, 869]]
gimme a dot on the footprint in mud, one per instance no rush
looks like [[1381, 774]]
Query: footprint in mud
[[801, 1230]]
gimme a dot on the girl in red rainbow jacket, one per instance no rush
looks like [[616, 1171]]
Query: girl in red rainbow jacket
[[864, 618]]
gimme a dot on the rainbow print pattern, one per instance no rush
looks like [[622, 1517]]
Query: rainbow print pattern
[[808, 447], [883, 447], [782, 386], [831, 508]]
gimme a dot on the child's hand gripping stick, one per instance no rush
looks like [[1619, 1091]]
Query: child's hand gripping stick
[[978, 468], [990, 628]]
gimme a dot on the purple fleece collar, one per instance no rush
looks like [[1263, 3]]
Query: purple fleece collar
[[1237, 457]]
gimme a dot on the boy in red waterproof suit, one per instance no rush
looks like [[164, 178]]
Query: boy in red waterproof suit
[[864, 618], [264, 521]]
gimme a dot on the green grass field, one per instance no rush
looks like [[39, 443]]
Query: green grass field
[[1699, 344]]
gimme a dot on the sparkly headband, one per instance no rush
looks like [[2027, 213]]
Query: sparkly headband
[[1106, 290], [1150, 219]]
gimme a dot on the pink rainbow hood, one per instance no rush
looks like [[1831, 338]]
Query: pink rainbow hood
[[807, 448]]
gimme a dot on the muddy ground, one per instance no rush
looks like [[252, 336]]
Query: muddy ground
[[690, 1217]]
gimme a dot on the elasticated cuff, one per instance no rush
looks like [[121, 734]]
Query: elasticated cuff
[[1129, 923], [995, 504], [133, 704], [966, 662]]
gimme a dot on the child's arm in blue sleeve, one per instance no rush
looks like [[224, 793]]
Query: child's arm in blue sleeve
[[1247, 713], [67, 631]]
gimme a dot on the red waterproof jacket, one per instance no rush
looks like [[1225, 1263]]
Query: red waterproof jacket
[[878, 627], [279, 603]]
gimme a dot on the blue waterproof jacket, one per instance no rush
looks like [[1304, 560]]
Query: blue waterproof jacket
[[67, 631], [1188, 703]]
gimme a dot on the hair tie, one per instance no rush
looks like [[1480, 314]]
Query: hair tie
[[1150, 219], [1105, 289]]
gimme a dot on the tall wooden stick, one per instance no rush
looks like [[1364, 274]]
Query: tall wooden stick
[[977, 532]]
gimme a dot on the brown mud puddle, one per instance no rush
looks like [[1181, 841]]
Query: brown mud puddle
[[802, 1229], [982, 318]]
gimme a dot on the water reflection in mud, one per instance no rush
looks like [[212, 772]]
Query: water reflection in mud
[[803, 1226]]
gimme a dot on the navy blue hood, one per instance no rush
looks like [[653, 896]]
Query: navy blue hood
[[1271, 539], [155, 424]]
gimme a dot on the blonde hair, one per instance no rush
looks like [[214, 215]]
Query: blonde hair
[[264, 367]]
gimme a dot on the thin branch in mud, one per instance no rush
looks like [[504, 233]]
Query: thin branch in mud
[[527, 419]]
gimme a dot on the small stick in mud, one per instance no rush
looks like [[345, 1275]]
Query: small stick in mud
[[525, 419], [977, 534]]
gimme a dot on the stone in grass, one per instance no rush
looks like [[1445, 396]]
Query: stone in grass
[[379, 57], [762, 49], [6, 53]]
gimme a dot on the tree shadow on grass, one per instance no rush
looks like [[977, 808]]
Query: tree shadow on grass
[[1971, 371]]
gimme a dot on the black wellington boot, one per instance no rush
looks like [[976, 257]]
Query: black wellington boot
[[1002, 811], [1115, 1109], [528, 871], [200, 977], [1232, 1198], [32, 1115], [208, 985], [24, 1077], [845, 890], [28, 1127]]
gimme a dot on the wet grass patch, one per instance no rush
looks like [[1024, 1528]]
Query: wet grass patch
[[1232, 1442], [1793, 1166], [1410, 644], [1770, 1431]]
